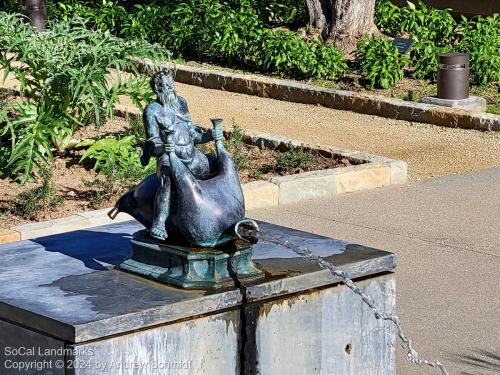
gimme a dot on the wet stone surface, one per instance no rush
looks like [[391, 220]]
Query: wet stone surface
[[68, 286]]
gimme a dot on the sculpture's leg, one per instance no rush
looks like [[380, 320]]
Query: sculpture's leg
[[162, 209]]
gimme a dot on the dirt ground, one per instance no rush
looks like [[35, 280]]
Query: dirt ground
[[71, 179]]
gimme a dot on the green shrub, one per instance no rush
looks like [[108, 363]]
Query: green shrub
[[104, 15], [424, 59], [424, 22], [283, 52], [421, 21], [481, 39], [286, 53], [329, 61], [380, 62], [148, 22], [64, 77], [279, 12], [31, 203], [214, 29], [388, 17], [294, 158], [117, 163], [233, 32], [120, 155]]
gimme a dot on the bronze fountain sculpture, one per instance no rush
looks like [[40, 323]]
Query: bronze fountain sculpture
[[193, 207]]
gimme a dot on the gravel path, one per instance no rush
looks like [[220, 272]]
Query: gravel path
[[429, 150]]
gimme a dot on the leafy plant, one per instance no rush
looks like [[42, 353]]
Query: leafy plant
[[424, 59], [286, 53], [117, 162], [215, 29], [421, 21], [30, 203], [30, 132], [481, 39], [427, 23], [380, 61], [120, 155], [280, 12], [64, 76], [388, 17], [102, 15]]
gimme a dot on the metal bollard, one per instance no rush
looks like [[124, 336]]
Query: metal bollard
[[453, 76]]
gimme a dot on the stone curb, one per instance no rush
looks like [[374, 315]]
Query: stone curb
[[337, 99], [9, 235], [368, 172]]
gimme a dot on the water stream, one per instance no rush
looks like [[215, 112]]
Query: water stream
[[406, 343]]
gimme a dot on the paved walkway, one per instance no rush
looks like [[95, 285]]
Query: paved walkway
[[429, 150], [446, 235]]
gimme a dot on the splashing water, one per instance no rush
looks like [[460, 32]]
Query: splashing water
[[411, 354]]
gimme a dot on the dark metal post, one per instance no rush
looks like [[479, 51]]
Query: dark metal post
[[453, 76], [36, 11]]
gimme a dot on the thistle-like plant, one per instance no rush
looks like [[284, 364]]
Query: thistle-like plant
[[69, 76]]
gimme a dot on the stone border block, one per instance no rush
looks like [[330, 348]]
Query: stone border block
[[471, 104], [399, 168], [100, 217], [49, 227], [305, 186], [274, 142], [260, 194], [9, 235], [363, 177], [67, 224]]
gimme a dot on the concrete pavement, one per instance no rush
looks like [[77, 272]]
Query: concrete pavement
[[446, 235]]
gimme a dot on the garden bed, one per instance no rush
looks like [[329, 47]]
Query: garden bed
[[77, 187], [360, 171], [275, 171]]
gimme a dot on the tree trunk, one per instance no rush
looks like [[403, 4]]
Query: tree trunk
[[36, 11], [343, 22]]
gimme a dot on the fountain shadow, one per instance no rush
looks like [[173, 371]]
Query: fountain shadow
[[98, 248]]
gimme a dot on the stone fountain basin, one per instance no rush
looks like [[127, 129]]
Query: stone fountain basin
[[64, 291]]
